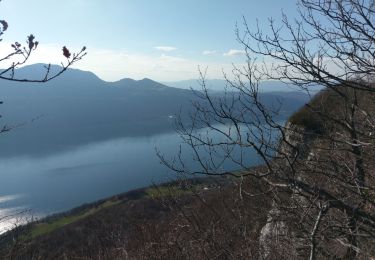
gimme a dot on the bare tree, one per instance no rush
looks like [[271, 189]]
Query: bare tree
[[319, 165], [19, 56], [21, 53]]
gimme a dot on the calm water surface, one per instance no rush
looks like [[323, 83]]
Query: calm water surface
[[59, 181]]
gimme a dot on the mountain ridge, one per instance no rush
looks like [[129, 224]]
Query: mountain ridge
[[78, 102]]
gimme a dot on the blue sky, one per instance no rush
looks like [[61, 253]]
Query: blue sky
[[165, 40]]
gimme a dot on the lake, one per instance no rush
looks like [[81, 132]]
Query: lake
[[44, 183]]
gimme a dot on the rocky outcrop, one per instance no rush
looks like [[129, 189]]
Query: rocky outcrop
[[297, 141], [274, 235], [271, 233]]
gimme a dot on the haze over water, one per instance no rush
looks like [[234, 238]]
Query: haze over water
[[60, 181], [91, 139]]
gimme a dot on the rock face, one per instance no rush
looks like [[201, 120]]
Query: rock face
[[297, 142], [275, 236], [271, 233], [275, 228], [325, 168]]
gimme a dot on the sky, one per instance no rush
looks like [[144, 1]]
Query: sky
[[165, 40]]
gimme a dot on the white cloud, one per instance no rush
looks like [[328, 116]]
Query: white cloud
[[112, 65], [209, 52], [233, 52], [166, 48], [45, 53]]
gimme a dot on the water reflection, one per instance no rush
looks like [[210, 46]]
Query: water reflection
[[64, 180], [60, 181]]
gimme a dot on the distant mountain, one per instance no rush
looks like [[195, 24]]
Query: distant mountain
[[220, 85], [77, 108]]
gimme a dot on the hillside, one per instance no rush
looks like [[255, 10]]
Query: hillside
[[330, 142], [185, 219]]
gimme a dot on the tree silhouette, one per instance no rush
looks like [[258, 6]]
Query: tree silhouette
[[21, 54]]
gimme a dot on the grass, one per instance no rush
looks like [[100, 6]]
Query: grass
[[47, 227], [50, 225], [182, 188], [163, 191]]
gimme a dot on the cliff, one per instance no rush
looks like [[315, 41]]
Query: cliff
[[325, 164]]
